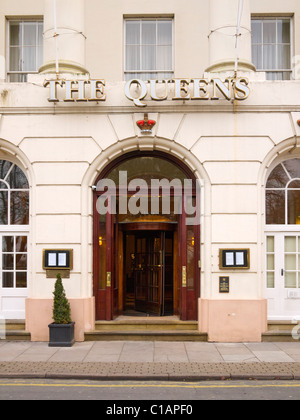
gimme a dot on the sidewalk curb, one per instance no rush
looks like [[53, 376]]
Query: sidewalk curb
[[233, 375]]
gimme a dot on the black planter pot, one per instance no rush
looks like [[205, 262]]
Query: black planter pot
[[61, 335]]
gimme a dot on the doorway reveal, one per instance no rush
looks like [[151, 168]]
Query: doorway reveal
[[146, 263]]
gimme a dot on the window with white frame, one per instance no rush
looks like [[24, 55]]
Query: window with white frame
[[14, 226], [148, 49], [283, 194], [25, 48], [271, 47]]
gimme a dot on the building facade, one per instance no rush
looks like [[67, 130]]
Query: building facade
[[150, 154]]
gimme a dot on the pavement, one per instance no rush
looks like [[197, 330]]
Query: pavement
[[151, 360]]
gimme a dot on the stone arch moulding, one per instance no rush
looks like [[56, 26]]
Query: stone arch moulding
[[145, 144], [14, 154], [287, 149], [163, 145]]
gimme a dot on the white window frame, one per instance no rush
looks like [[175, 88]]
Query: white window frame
[[285, 189], [276, 18], [156, 71], [22, 73]]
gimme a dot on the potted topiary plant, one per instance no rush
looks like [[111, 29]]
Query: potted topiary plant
[[61, 330]]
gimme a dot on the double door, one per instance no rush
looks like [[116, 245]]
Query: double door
[[283, 275], [153, 272]]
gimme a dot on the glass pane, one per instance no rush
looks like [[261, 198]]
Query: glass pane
[[7, 279], [273, 75], [287, 75], [256, 27], [7, 244], [257, 56], [270, 244], [164, 58], [17, 179], [293, 206], [17, 78], [164, 75], [30, 33], [4, 168], [278, 178], [132, 32], [147, 168], [290, 244], [3, 208], [164, 33], [148, 33], [283, 31], [270, 262], [290, 280], [15, 33], [15, 60], [293, 167], [269, 57], [29, 59], [7, 261], [21, 279], [149, 58], [19, 208], [269, 31], [21, 261], [21, 243], [275, 207], [40, 33], [39, 59], [290, 262], [284, 57], [270, 280], [294, 184], [132, 58]]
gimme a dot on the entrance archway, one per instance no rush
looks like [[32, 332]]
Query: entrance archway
[[146, 237]]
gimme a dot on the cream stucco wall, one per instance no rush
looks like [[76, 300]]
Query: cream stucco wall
[[228, 144]]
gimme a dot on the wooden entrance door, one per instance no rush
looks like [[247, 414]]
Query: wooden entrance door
[[149, 272]]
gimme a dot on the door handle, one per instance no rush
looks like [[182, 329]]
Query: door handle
[[282, 272]]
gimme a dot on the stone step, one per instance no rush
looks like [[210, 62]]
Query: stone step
[[278, 336], [15, 325], [145, 335], [17, 335], [15, 331], [281, 331], [146, 324], [281, 325]]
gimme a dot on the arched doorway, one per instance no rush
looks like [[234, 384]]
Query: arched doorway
[[146, 237]]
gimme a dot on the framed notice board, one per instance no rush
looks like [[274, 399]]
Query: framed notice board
[[234, 259], [57, 259]]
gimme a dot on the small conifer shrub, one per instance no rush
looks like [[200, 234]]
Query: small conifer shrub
[[61, 305]]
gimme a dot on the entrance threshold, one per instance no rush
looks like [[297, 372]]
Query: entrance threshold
[[144, 317]]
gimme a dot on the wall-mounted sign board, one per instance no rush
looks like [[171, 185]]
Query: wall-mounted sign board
[[56, 259], [223, 284], [234, 258]]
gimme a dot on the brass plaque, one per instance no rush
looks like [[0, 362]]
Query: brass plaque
[[224, 284], [108, 279], [184, 276]]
